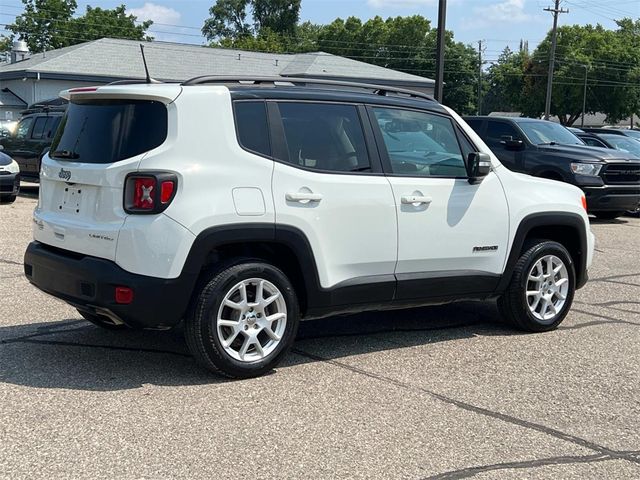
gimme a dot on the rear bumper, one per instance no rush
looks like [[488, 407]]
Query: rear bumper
[[9, 184], [612, 197], [89, 283]]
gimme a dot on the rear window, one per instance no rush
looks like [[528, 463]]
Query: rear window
[[106, 131]]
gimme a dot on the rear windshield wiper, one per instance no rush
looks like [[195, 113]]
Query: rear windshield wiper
[[64, 154]]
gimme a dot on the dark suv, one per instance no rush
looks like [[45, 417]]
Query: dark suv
[[609, 178], [31, 140]]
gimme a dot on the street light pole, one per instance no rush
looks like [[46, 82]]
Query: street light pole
[[552, 55], [442, 13], [479, 77], [584, 95]]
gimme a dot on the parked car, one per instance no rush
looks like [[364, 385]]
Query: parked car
[[593, 140], [635, 134], [30, 140], [622, 143], [9, 179], [290, 202], [617, 142], [609, 178]]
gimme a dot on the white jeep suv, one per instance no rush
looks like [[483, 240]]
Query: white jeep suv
[[242, 207]]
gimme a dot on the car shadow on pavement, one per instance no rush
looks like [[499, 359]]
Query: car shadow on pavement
[[606, 221], [73, 354]]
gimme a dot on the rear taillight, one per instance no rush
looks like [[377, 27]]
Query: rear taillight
[[149, 192]]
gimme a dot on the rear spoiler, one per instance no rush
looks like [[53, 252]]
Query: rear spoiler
[[164, 92]]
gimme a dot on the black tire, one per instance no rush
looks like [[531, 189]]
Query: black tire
[[102, 321], [633, 213], [8, 198], [608, 215], [513, 303], [200, 325]]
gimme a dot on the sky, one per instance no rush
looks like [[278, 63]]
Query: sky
[[497, 22]]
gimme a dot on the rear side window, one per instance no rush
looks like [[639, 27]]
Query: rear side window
[[44, 127], [252, 126], [39, 127], [593, 142], [106, 131], [323, 136], [497, 130], [474, 123]]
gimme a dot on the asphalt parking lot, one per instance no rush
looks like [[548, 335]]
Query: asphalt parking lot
[[438, 392]]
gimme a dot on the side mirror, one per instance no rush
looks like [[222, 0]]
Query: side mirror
[[510, 143], [479, 166]]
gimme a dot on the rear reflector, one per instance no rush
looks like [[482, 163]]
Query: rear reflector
[[584, 202], [166, 191], [124, 295]]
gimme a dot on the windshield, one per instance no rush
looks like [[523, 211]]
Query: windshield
[[548, 133], [106, 131], [622, 143], [633, 133]]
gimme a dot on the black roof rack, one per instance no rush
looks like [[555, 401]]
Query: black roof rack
[[303, 81]]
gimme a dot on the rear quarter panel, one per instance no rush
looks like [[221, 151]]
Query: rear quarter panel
[[211, 166]]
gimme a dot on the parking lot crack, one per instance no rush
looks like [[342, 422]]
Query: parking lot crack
[[599, 316], [526, 464], [89, 345], [10, 262], [631, 457]]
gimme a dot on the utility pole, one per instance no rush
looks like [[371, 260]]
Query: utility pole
[[479, 77], [584, 95], [552, 56], [442, 14]]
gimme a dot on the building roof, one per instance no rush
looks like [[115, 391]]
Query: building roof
[[109, 59]]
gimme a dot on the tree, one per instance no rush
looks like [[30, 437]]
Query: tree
[[505, 82], [279, 16], [406, 44], [610, 59], [42, 22], [49, 24], [228, 20], [99, 23]]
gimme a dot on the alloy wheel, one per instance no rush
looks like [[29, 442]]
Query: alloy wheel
[[251, 320], [547, 288]]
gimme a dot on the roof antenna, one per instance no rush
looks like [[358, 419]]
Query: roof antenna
[[146, 69]]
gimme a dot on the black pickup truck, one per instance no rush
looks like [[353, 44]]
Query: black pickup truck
[[30, 140], [609, 178]]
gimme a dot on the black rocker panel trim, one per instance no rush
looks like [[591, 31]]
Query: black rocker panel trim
[[443, 284], [548, 219]]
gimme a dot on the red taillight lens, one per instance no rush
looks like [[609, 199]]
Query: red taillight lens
[[144, 193], [149, 192], [166, 191], [124, 295]]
